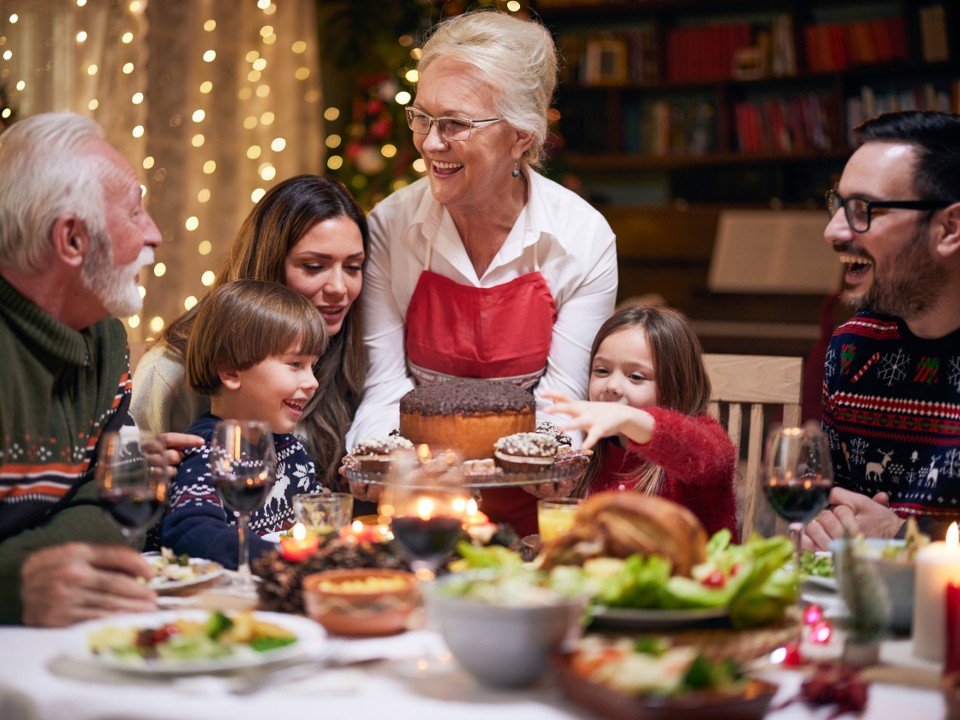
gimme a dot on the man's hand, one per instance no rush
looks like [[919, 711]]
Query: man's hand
[[854, 514], [65, 584], [176, 443]]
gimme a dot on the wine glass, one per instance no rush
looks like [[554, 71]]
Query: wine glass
[[425, 501], [243, 465], [131, 480], [799, 474]]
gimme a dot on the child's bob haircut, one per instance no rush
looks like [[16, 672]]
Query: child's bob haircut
[[243, 323]]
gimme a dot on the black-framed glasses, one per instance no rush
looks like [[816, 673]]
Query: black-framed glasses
[[859, 211], [451, 128]]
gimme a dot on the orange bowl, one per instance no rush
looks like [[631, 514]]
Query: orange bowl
[[361, 602]]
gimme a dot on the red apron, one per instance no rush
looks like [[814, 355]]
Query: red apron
[[503, 332]]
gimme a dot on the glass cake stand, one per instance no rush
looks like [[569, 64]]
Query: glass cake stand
[[570, 469]]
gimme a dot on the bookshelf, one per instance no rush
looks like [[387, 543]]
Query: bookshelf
[[746, 103]]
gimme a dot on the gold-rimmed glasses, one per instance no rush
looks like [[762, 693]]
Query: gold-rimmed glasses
[[451, 128]]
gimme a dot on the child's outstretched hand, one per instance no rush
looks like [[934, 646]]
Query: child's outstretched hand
[[601, 419]]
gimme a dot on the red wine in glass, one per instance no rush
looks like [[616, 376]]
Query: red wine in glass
[[798, 500], [427, 540], [131, 480], [243, 466]]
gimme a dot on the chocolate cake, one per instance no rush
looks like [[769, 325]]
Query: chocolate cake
[[465, 414]]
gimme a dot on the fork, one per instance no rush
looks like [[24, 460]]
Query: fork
[[299, 669]]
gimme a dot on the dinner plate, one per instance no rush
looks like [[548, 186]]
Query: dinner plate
[[205, 570], [827, 583], [308, 633], [660, 620], [749, 704]]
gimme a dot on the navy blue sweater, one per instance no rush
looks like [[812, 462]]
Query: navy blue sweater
[[196, 521]]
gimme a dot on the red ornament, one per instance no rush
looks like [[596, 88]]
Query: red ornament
[[812, 615], [821, 632]]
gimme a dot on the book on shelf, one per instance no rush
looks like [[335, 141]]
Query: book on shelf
[[933, 33], [773, 251]]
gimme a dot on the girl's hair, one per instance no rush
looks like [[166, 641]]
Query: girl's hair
[[244, 322], [49, 167], [678, 370], [518, 58], [259, 252]]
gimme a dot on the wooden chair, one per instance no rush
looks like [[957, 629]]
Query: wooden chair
[[753, 382]]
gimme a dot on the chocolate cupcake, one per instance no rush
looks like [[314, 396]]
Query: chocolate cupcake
[[525, 452], [545, 427], [373, 454]]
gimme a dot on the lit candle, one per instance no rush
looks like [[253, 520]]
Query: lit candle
[[952, 663], [937, 565], [358, 532], [300, 545]]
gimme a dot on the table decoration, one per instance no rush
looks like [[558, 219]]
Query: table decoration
[[361, 602], [952, 662], [868, 602], [938, 564], [300, 545]]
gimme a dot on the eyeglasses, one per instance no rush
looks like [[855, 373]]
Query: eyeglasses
[[859, 211], [451, 128]]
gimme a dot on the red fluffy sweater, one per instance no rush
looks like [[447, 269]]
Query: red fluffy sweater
[[699, 466]]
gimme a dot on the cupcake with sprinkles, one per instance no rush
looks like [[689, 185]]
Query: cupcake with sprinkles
[[525, 452]]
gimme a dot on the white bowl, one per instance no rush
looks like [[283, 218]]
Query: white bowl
[[504, 645], [897, 576]]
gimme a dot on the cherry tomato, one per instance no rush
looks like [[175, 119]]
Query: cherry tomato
[[715, 579]]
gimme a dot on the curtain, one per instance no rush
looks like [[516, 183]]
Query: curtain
[[213, 101]]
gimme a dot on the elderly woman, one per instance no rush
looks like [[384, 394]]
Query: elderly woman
[[484, 268]]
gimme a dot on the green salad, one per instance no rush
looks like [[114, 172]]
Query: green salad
[[752, 580]]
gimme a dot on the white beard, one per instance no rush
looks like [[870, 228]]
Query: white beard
[[115, 287]]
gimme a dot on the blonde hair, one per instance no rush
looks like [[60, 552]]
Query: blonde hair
[[244, 322], [681, 377], [518, 58]]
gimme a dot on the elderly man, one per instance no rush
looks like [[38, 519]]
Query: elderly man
[[73, 236], [891, 404]]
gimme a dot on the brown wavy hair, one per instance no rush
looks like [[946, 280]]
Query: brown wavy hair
[[259, 252], [681, 377]]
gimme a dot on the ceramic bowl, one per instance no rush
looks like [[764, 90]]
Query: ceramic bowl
[[897, 576], [361, 602], [504, 645]]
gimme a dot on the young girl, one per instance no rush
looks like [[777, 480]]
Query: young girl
[[647, 417], [252, 349]]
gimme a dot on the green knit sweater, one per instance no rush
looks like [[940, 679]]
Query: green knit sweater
[[59, 389]]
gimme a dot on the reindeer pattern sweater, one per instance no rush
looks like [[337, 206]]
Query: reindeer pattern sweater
[[196, 521], [699, 466]]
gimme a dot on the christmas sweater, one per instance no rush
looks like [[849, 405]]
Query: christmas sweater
[[891, 412], [60, 389], [698, 460], [196, 521]]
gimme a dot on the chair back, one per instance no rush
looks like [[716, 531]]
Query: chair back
[[743, 387]]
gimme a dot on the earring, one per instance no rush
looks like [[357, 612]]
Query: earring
[[516, 168]]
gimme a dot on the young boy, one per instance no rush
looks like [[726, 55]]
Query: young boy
[[252, 349]]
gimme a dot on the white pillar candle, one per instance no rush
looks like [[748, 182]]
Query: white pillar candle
[[936, 565]]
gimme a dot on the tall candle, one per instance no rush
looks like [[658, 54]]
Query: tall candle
[[937, 565]]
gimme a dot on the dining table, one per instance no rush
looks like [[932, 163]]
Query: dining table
[[409, 675]]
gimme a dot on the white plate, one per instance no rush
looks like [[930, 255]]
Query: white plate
[[204, 570], [309, 636], [827, 583], [660, 620]]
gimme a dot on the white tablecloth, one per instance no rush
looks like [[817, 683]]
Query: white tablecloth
[[57, 688]]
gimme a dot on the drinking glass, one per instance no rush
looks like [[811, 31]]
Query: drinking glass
[[243, 465], [555, 517], [425, 502], [323, 513], [798, 472], [131, 480]]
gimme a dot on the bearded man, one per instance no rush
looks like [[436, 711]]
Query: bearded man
[[73, 236], [891, 400]]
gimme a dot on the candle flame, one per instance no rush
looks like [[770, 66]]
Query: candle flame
[[423, 452], [425, 508], [357, 526], [299, 532], [953, 535], [472, 507]]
